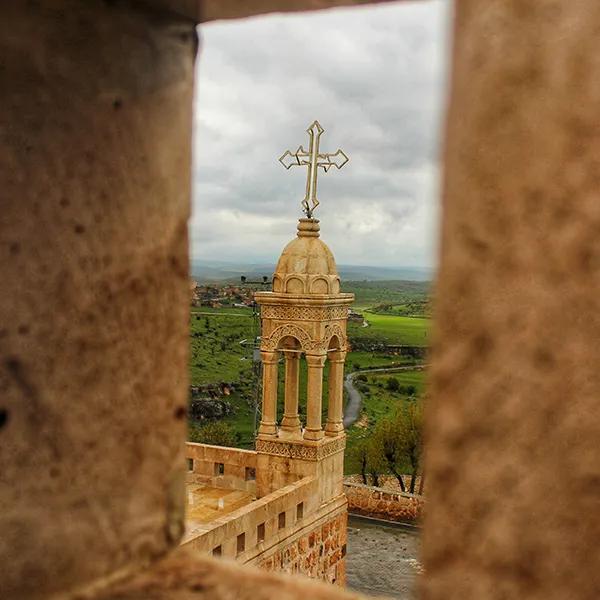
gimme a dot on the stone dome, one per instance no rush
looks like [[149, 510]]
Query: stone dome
[[306, 265]]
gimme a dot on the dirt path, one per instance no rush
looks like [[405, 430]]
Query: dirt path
[[354, 404]]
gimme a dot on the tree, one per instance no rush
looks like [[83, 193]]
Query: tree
[[411, 390], [391, 448], [398, 440], [393, 384], [409, 423], [408, 390], [360, 455], [217, 433], [375, 463]]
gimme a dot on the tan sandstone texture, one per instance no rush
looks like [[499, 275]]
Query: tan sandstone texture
[[95, 123], [380, 503], [186, 577], [513, 419], [95, 133], [297, 521]]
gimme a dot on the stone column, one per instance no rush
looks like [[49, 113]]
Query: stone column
[[313, 429], [95, 138], [291, 422], [268, 423], [335, 419]]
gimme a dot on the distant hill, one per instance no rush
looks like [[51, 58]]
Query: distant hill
[[203, 270]]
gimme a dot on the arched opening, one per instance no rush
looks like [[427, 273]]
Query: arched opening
[[334, 386], [288, 415], [334, 343]]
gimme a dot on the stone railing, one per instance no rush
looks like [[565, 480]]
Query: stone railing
[[218, 466], [379, 503]]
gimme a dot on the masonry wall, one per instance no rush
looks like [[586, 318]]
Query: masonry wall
[[380, 503], [513, 410], [95, 128], [291, 529], [319, 554], [218, 466]]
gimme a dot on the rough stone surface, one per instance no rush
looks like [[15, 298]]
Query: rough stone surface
[[186, 577], [319, 554], [95, 128], [96, 114], [513, 418], [380, 503]]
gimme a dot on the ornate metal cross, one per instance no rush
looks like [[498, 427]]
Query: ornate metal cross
[[313, 160]]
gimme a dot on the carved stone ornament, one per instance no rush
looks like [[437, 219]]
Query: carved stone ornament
[[271, 342], [307, 344], [304, 452], [304, 313]]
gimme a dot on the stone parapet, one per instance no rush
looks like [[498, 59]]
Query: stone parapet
[[288, 528], [218, 466], [380, 503]]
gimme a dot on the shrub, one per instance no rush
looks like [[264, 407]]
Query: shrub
[[393, 384], [216, 433]]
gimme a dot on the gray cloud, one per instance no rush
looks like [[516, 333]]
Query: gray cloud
[[374, 78]]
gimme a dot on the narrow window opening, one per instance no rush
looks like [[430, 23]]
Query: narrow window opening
[[300, 511], [217, 551], [241, 543], [190, 463], [260, 533], [250, 474], [219, 469], [281, 520]]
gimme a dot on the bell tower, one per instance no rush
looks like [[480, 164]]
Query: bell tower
[[304, 319]]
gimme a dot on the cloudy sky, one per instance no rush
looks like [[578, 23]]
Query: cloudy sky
[[375, 79]]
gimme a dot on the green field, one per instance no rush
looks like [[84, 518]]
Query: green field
[[379, 402], [360, 359], [216, 355], [412, 331], [371, 293], [215, 350]]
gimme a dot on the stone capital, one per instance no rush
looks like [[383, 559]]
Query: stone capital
[[339, 356], [315, 361], [269, 357]]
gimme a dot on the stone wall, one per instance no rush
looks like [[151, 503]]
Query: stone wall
[[319, 554], [512, 420], [218, 466], [95, 128], [288, 530], [388, 482], [382, 504]]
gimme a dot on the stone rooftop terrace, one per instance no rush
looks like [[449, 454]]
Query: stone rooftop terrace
[[205, 503]]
